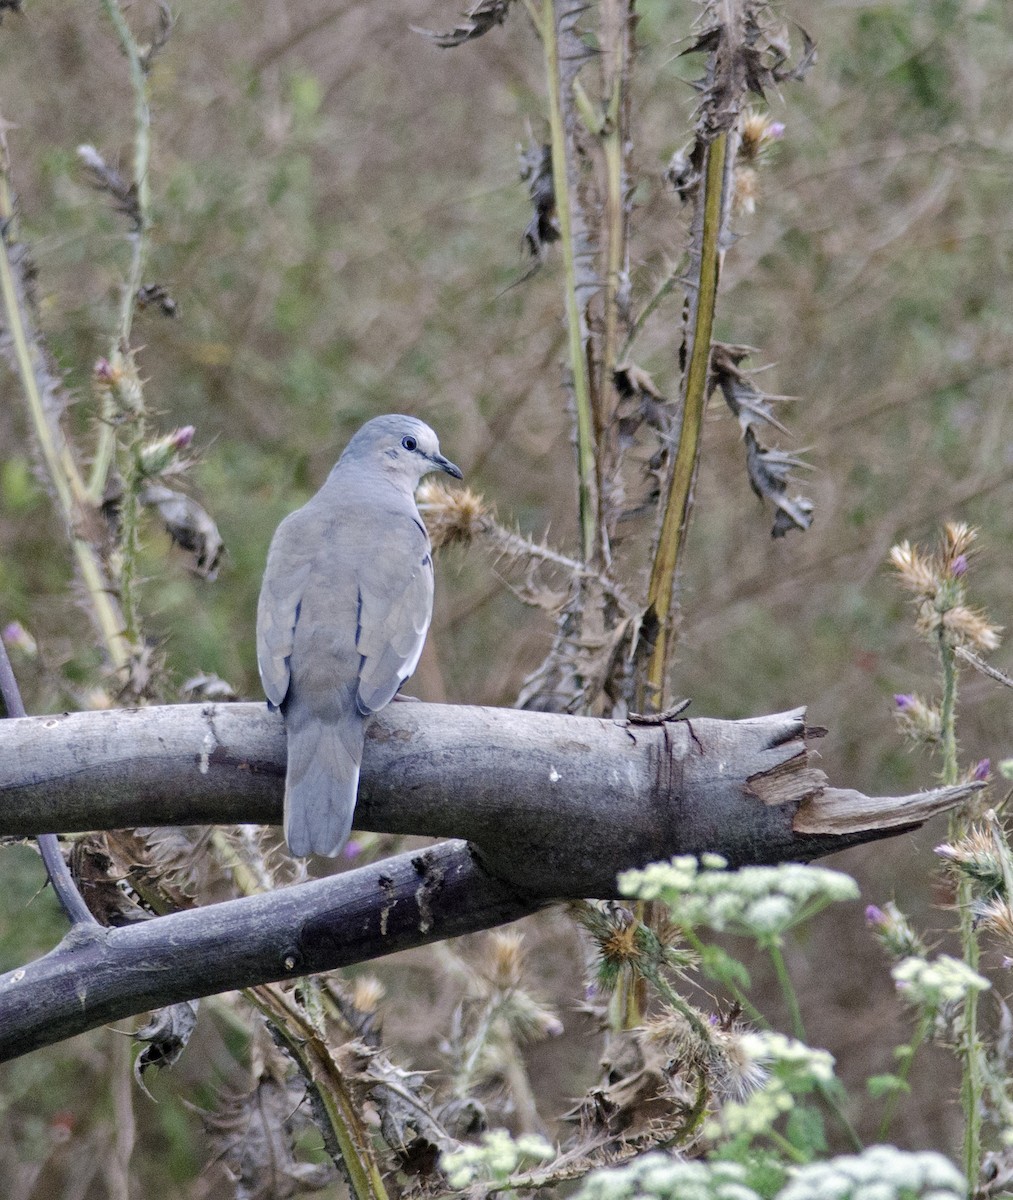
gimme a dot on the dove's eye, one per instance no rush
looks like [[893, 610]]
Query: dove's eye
[[409, 443]]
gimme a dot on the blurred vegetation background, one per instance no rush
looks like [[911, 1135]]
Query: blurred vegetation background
[[338, 216]]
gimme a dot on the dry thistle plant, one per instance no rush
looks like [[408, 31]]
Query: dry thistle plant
[[637, 442]]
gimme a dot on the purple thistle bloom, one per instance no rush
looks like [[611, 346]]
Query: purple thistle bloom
[[982, 769], [179, 439], [352, 849], [904, 701], [775, 131], [958, 566], [875, 917]]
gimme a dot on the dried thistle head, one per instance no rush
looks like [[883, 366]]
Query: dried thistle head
[[758, 131], [980, 857], [966, 626], [917, 720], [958, 538], [367, 993], [504, 966], [918, 572], [458, 515], [995, 916], [747, 187]]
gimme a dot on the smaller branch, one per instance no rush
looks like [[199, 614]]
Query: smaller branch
[[60, 877]]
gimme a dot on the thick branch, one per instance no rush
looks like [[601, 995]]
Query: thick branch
[[97, 975], [555, 805], [558, 805]]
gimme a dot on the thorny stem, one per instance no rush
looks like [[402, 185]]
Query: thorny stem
[[350, 1133], [60, 466], [121, 356], [106, 447], [677, 503], [972, 1084], [948, 710], [575, 338]]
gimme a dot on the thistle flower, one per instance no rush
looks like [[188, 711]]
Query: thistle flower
[[979, 857], [894, 932], [367, 993], [758, 131], [917, 720], [17, 637], [970, 627], [917, 572], [994, 916], [157, 456], [452, 515]]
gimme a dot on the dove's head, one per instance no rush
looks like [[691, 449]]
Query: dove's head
[[403, 448]]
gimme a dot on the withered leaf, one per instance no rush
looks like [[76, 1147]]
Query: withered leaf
[[252, 1134], [769, 470], [166, 1034], [108, 179], [479, 19], [536, 170], [189, 526], [157, 294]]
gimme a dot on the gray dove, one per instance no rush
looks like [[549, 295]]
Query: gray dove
[[343, 614]]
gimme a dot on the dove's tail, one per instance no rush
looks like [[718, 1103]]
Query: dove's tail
[[322, 780]]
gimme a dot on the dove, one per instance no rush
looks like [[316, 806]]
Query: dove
[[342, 618]]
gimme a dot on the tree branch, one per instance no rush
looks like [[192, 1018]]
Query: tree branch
[[97, 975], [555, 807], [557, 804]]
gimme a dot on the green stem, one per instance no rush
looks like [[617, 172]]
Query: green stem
[[645, 314], [787, 990], [948, 711], [677, 504], [575, 338], [350, 1133], [889, 1112], [972, 1082], [59, 462], [105, 450], [786, 1148]]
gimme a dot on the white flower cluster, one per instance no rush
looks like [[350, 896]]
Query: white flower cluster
[[879, 1173], [656, 1176], [761, 902], [791, 1067], [496, 1159], [933, 984]]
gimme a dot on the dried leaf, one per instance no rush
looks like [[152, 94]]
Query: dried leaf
[[253, 1136], [107, 179], [207, 686], [166, 24], [189, 526], [543, 228], [156, 293], [641, 402], [167, 1034], [479, 19], [769, 470]]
